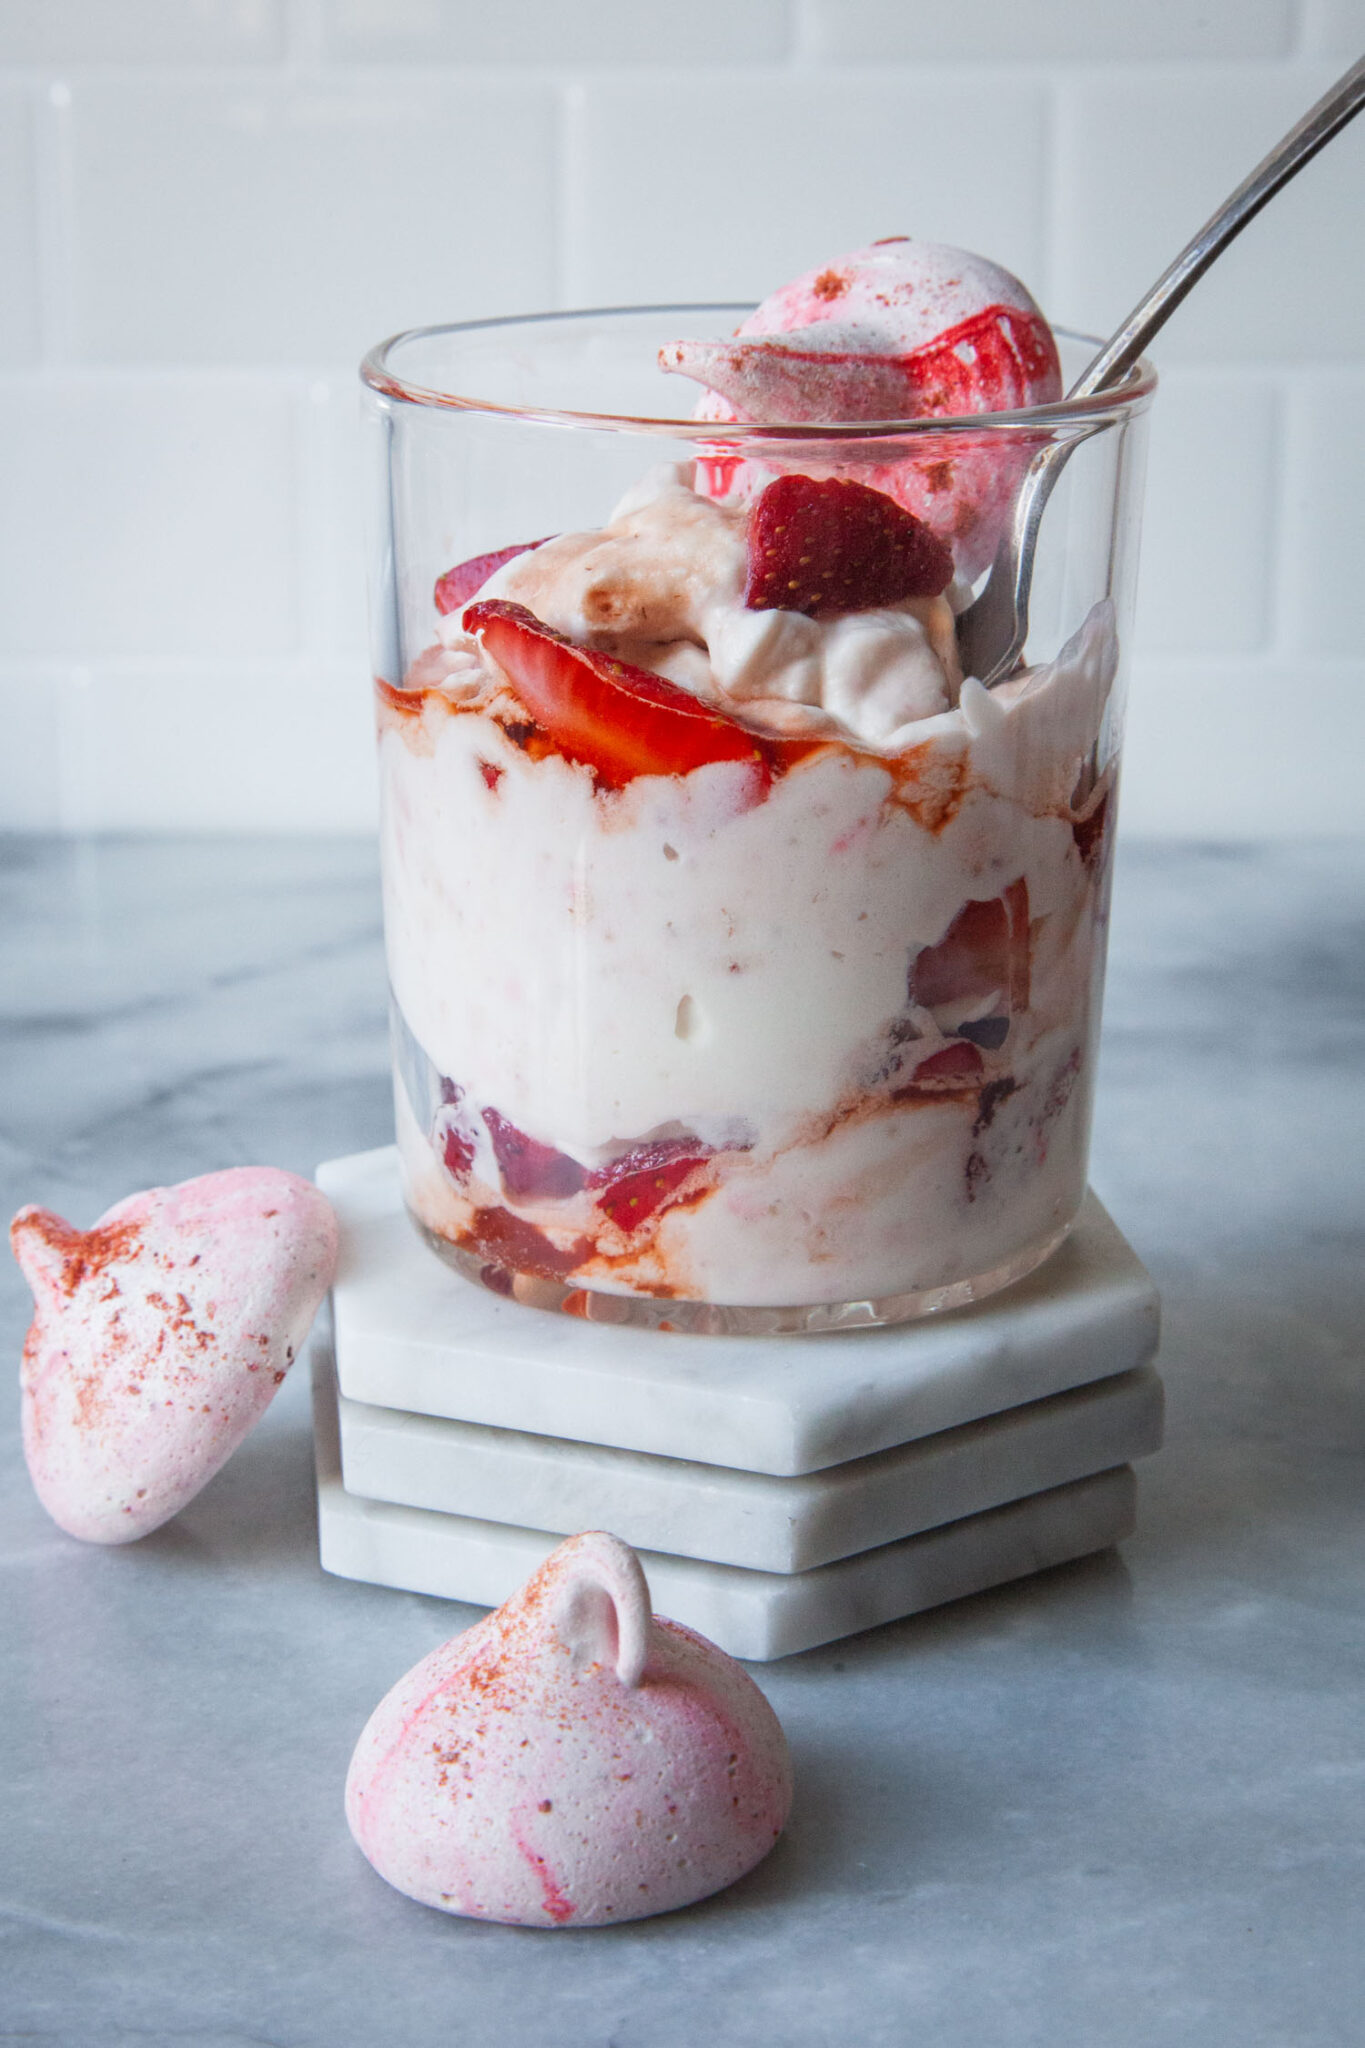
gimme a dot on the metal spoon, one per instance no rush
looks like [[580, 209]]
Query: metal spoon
[[992, 631]]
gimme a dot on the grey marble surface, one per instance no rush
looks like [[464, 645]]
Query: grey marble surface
[[1122, 1803]]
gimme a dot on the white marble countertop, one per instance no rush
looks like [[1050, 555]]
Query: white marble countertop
[[1122, 1803]]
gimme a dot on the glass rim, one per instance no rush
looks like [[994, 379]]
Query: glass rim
[[1132, 395]]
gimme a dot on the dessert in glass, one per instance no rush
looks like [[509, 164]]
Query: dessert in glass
[[746, 957]]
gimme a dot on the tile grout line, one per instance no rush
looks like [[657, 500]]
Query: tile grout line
[[75, 689], [54, 222], [804, 42], [1277, 599], [1060, 153], [305, 51], [1049, 281], [562, 174], [571, 196], [314, 523], [305, 41]]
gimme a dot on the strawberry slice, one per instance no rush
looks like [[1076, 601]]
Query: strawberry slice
[[512, 1245], [641, 1180], [457, 1152], [621, 720], [532, 1172], [952, 1074], [461, 583], [985, 948], [635, 1197], [951, 1063], [454, 1140], [827, 548], [1088, 832]]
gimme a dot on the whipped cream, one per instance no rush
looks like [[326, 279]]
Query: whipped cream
[[673, 963], [662, 585]]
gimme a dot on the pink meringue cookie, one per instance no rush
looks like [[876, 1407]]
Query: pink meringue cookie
[[160, 1336], [900, 330], [571, 1760]]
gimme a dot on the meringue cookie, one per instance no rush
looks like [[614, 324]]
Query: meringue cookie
[[571, 1760], [160, 1336], [900, 330]]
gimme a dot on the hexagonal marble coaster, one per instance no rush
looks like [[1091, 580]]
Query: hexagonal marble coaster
[[749, 1518], [412, 1334], [753, 1614]]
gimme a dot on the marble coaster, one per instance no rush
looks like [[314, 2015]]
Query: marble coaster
[[749, 1518], [412, 1334], [754, 1614]]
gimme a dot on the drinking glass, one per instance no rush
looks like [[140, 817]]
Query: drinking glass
[[802, 1037]]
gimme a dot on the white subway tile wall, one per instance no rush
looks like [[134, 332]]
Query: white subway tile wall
[[18, 233], [1334, 28], [209, 207], [30, 773], [1145, 157], [304, 220], [1222, 750], [912, 31], [149, 517], [1325, 537], [1213, 474], [764, 184], [236, 751], [517, 31], [141, 31]]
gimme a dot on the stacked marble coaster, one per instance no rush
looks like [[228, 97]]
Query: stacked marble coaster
[[782, 1491]]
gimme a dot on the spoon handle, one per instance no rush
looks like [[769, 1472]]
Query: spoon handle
[[1303, 141]]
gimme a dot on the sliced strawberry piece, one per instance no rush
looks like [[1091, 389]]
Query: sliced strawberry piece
[[827, 548], [509, 1242], [621, 720], [640, 1181], [456, 1145], [457, 1153], [461, 583], [636, 1197], [954, 1072], [956, 1062], [1088, 832], [532, 1172], [640, 1158], [985, 948]]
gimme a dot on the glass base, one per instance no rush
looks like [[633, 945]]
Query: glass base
[[725, 1319]]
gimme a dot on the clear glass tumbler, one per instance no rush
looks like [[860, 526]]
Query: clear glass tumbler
[[786, 1031]]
